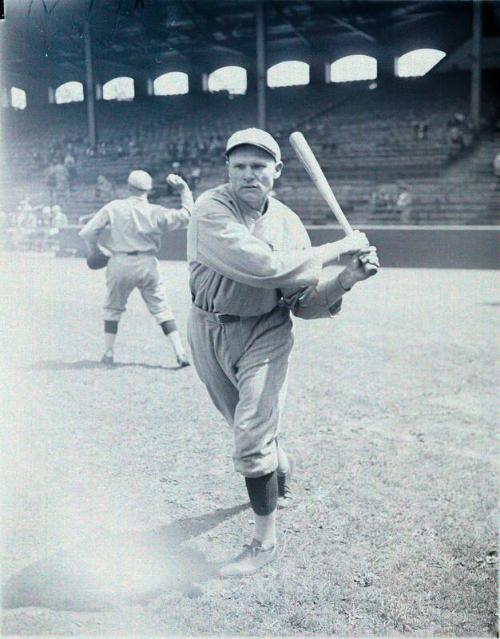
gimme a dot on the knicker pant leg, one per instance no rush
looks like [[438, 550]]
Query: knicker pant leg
[[119, 286], [153, 291], [205, 339], [262, 374]]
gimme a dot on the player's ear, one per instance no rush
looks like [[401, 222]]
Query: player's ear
[[277, 169]]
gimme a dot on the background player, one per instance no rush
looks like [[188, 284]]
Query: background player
[[135, 230], [251, 262]]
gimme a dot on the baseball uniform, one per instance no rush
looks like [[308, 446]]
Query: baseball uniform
[[247, 271], [135, 231]]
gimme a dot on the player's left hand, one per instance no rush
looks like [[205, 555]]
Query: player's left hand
[[356, 270], [176, 182]]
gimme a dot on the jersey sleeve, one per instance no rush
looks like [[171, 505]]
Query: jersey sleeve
[[95, 226], [324, 299], [227, 246], [174, 219]]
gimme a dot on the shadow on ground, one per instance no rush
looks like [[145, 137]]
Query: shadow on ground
[[112, 569], [54, 365]]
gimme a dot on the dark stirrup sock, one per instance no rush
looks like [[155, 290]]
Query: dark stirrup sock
[[110, 327], [168, 326], [263, 493]]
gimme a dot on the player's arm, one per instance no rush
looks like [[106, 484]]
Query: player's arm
[[222, 243], [325, 298], [94, 227], [179, 218]]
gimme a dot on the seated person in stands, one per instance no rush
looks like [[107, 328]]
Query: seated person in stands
[[404, 204], [59, 219], [104, 189], [496, 165], [195, 176]]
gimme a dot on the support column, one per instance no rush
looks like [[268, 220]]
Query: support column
[[141, 87], [385, 67], [317, 71], [89, 84], [475, 88], [261, 65]]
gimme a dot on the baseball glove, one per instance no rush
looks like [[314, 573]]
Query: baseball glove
[[97, 260]]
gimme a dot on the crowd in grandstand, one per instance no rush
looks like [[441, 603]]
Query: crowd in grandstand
[[32, 227], [378, 164]]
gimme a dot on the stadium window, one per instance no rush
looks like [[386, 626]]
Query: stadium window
[[119, 89], [173, 83], [230, 79], [17, 98], [69, 92], [418, 62], [353, 68], [287, 74]]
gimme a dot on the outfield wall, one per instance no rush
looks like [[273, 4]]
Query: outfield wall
[[398, 246]]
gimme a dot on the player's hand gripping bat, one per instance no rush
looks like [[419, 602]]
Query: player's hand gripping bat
[[315, 172]]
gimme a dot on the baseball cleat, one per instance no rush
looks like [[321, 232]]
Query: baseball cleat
[[182, 362], [254, 557], [108, 360], [284, 490]]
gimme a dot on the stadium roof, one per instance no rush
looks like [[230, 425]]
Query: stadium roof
[[44, 38]]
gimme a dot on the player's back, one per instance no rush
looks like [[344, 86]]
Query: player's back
[[134, 225]]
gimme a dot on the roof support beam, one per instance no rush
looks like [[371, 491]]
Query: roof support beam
[[291, 22]]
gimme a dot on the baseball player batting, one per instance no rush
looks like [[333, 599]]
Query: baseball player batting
[[252, 265], [135, 231]]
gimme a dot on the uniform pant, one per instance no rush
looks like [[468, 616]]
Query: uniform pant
[[126, 272], [244, 365]]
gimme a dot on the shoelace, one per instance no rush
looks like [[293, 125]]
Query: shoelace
[[254, 549]]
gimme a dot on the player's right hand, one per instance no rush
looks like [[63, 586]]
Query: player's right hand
[[176, 182], [354, 242]]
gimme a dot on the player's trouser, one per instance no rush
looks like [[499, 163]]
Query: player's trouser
[[126, 272], [244, 366]]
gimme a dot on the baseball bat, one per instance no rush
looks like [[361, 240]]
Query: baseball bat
[[315, 172]]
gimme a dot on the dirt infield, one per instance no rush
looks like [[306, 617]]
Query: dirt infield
[[120, 498]]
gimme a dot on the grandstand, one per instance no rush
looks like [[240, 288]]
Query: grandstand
[[364, 132]]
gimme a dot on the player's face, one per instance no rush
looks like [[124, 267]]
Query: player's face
[[252, 172]]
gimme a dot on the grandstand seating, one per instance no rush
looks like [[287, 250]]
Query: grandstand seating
[[364, 139]]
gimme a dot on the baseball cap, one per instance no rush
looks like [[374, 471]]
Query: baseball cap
[[140, 180], [255, 137]]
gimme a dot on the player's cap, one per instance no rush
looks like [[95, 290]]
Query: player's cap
[[56, 208], [140, 180], [255, 137]]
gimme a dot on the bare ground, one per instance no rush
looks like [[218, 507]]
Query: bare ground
[[119, 495]]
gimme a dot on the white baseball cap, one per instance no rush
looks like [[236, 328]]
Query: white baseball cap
[[140, 180], [255, 137]]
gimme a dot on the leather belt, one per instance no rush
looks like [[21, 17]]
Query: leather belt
[[139, 253], [223, 318]]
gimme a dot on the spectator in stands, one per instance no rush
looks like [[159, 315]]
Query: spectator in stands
[[104, 189], [195, 176], [46, 217], [27, 218], [70, 164], [496, 165], [404, 204], [59, 175], [51, 181], [420, 129], [26, 227], [59, 219]]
